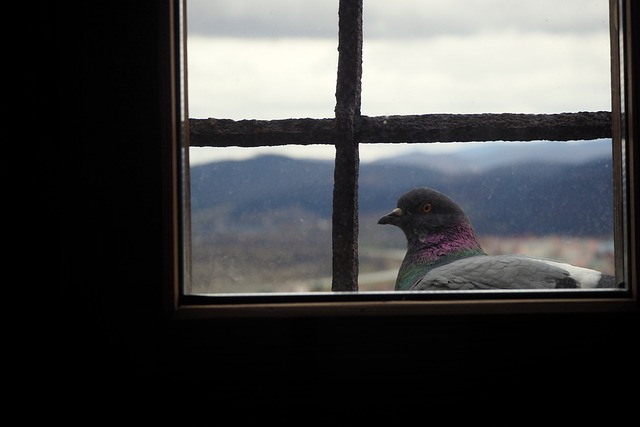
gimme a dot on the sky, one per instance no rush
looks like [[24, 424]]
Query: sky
[[257, 59]]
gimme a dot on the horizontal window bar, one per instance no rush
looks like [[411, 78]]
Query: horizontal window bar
[[260, 133], [408, 129], [486, 127]]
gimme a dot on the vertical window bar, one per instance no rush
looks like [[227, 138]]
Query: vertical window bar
[[347, 114], [616, 27]]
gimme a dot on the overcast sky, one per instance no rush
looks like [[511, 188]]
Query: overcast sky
[[268, 59]]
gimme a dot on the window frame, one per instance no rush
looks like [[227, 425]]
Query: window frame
[[348, 130]]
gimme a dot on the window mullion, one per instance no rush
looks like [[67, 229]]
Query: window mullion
[[347, 115]]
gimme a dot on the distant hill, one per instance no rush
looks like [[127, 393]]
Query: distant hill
[[505, 189], [481, 157]]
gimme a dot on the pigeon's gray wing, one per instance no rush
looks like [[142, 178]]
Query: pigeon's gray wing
[[496, 272]]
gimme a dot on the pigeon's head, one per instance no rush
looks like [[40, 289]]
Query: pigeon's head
[[424, 211]]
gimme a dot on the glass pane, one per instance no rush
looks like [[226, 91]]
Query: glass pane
[[460, 56], [544, 199], [261, 218]]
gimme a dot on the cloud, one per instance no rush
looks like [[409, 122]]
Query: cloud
[[259, 18], [261, 78], [507, 72], [419, 18], [386, 19]]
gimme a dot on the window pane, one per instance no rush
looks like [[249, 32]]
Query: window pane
[[460, 56], [543, 199], [261, 218]]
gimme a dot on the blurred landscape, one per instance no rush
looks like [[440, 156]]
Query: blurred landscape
[[264, 224]]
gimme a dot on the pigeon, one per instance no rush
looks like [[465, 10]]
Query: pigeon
[[443, 253]]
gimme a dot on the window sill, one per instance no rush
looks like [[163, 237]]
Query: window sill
[[404, 304]]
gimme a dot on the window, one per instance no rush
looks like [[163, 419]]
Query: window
[[350, 132]]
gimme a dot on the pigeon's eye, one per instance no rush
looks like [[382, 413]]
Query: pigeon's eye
[[426, 208]]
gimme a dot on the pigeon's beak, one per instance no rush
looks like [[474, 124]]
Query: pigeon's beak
[[392, 217]]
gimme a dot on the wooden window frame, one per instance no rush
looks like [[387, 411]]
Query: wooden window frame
[[349, 129]]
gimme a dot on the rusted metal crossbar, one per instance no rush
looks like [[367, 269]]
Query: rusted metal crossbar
[[486, 127], [408, 129], [347, 115]]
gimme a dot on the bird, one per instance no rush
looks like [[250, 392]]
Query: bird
[[443, 253]]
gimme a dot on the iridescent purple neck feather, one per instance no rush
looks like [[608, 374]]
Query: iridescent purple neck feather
[[430, 251]]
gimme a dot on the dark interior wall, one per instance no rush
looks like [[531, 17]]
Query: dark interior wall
[[108, 328], [105, 180]]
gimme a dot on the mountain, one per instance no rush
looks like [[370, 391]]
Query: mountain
[[481, 157], [263, 183], [531, 190]]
